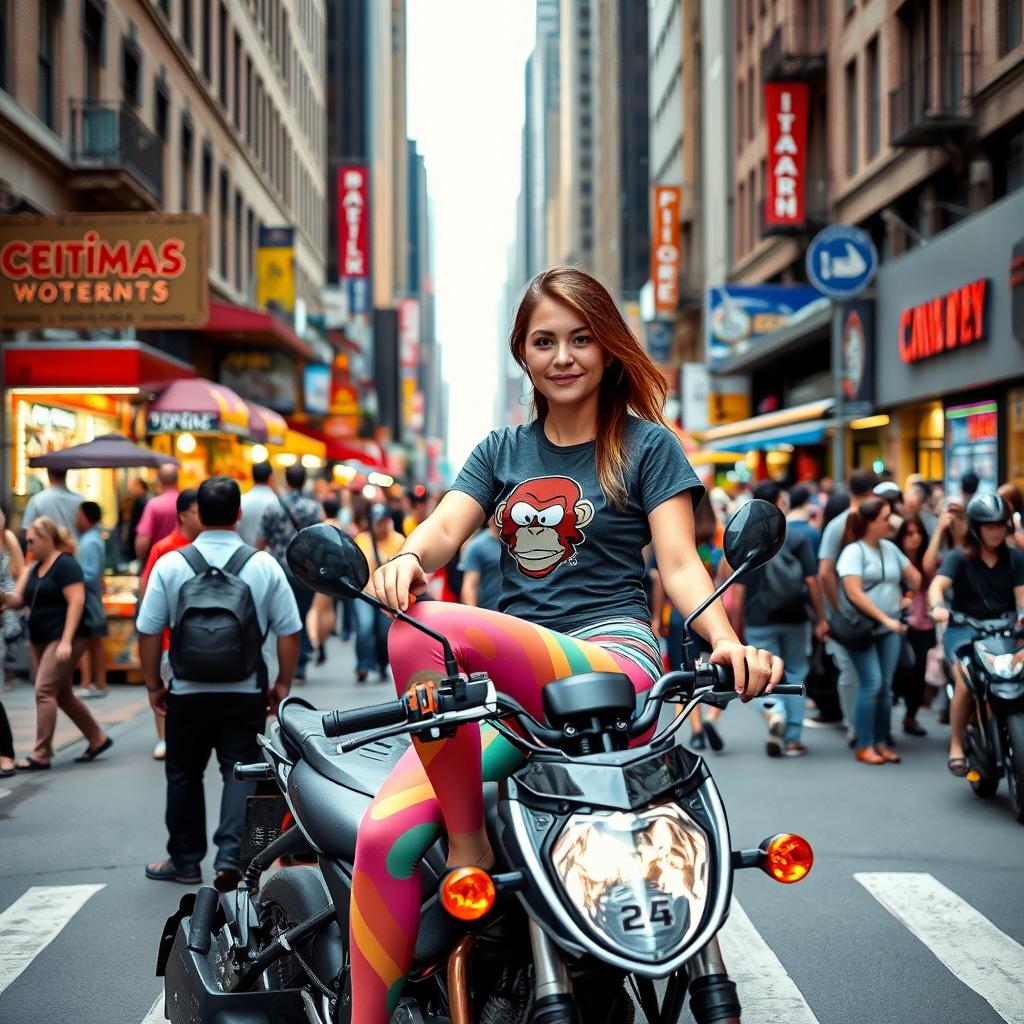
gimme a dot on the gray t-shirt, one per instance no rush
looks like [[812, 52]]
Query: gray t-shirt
[[483, 555], [832, 537], [569, 558], [880, 570], [59, 504]]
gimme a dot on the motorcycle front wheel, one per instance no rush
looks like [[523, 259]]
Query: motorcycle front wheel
[[987, 784], [1015, 763]]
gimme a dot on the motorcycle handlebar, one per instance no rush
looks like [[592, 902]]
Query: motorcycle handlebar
[[376, 716], [723, 682]]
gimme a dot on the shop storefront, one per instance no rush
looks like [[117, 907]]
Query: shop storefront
[[950, 352]]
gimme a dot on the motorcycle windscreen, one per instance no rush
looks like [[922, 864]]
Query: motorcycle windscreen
[[639, 879]]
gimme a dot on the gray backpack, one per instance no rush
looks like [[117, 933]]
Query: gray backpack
[[217, 638]]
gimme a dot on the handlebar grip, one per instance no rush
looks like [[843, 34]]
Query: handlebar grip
[[376, 716], [723, 682]]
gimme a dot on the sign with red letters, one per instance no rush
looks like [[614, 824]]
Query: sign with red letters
[[943, 324], [666, 247], [785, 109], [354, 221]]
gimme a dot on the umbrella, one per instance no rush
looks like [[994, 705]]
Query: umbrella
[[109, 451]]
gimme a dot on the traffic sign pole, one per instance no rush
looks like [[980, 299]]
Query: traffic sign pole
[[839, 428]]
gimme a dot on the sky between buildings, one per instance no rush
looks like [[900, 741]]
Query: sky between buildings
[[465, 110]]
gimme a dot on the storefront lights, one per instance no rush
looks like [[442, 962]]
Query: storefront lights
[[311, 461], [344, 473], [286, 459], [186, 443], [369, 492], [881, 420], [380, 479], [259, 453]]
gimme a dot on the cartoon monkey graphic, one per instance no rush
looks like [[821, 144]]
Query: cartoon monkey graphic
[[541, 523]]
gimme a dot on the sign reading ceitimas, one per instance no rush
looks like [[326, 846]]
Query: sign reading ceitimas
[[103, 270]]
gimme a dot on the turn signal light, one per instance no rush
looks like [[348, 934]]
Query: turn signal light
[[974, 775], [787, 858], [467, 893]]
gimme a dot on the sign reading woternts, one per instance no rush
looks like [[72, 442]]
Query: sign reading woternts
[[666, 247], [103, 270], [945, 323], [354, 221], [785, 110]]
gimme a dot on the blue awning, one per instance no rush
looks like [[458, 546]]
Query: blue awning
[[805, 432]]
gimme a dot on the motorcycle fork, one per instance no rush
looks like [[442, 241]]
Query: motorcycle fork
[[553, 1003], [712, 992]]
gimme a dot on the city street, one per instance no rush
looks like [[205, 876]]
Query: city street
[[914, 910]]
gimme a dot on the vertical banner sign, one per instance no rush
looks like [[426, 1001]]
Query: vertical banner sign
[[275, 269], [666, 247], [353, 221], [785, 108]]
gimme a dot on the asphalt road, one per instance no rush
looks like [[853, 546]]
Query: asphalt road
[[914, 911]]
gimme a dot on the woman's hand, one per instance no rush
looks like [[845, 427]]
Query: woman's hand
[[895, 626], [939, 614], [755, 671], [394, 581], [63, 652]]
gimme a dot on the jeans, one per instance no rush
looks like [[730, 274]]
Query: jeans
[[876, 666], [304, 599], [791, 641], [910, 684], [347, 618], [371, 631], [846, 684], [198, 724]]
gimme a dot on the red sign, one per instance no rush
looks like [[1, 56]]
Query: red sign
[[940, 325], [408, 333], [785, 107], [666, 247], [353, 220]]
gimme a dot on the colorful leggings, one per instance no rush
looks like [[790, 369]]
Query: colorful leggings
[[439, 785]]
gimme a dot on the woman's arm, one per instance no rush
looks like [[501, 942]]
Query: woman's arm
[[16, 598], [937, 598], [931, 554], [687, 584], [14, 553], [854, 587], [74, 594], [912, 578]]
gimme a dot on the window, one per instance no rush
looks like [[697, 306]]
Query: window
[[222, 54], [236, 74], [161, 107], [1011, 25], [874, 102], [3, 44], [741, 107], [740, 212], [751, 97], [238, 240], [248, 99], [187, 29], [851, 118], [206, 33], [46, 105], [165, 6], [131, 71], [186, 163], [755, 228], [250, 244], [224, 199]]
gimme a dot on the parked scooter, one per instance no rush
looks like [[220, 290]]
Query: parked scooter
[[614, 863], [993, 666]]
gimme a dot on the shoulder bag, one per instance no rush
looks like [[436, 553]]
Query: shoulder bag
[[850, 627]]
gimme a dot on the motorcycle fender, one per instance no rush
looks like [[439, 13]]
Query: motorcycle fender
[[188, 901]]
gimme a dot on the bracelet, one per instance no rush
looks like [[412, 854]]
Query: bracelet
[[413, 553]]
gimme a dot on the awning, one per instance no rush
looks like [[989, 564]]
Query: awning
[[365, 454], [298, 443], [800, 424], [255, 327], [801, 332], [96, 365], [108, 451], [265, 425], [199, 407]]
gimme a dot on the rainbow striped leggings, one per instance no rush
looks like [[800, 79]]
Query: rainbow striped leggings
[[439, 785]]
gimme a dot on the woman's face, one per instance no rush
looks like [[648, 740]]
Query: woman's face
[[879, 526], [992, 535], [913, 539], [39, 544], [564, 361]]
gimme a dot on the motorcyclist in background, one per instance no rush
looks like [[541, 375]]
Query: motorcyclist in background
[[986, 577]]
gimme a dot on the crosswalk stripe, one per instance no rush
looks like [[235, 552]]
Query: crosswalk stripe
[[967, 943], [33, 921], [4, 792], [766, 991], [156, 1012]]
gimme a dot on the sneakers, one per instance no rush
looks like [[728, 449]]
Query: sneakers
[[774, 746], [698, 741], [160, 751], [714, 738], [817, 722], [93, 693]]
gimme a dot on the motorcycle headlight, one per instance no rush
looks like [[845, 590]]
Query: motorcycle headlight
[[639, 879], [1000, 665]]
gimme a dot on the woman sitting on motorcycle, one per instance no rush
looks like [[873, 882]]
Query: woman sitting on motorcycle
[[987, 581], [576, 494]]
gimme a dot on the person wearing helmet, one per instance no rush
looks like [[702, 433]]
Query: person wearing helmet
[[986, 578]]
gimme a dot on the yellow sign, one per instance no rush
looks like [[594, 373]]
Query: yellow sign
[[728, 407], [275, 269]]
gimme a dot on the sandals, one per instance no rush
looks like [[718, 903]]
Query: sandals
[[30, 764], [957, 766], [91, 755]]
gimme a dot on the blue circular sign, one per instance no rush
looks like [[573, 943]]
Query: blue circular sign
[[841, 261]]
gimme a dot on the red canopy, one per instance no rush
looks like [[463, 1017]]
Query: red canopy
[[265, 425], [199, 407], [367, 454]]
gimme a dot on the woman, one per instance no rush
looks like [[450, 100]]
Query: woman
[[11, 564], [908, 683], [1011, 494], [53, 588], [322, 616], [873, 574], [951, 532], [987, 582], [576, 494]]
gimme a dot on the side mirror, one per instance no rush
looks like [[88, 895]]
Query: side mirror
[[327, 560], [755, 534]]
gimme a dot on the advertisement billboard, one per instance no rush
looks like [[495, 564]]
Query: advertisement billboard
[[739, 316], [354, 221], [972, 444], [666, 246], [785, 111], [316, 389], [103, 270], [266, 377], [275, 269]]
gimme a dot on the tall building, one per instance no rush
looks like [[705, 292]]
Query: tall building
[[542, 127]]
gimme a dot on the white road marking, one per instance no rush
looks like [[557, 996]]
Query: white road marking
[[967, 943], [32, 922], [767, 993], [156, 1012], [4, 792]]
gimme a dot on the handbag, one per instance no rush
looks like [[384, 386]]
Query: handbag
[[851, 628], [935, 667], [94, 615], [908, 657]]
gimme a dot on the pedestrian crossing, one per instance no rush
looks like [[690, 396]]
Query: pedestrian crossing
[[980, 956]]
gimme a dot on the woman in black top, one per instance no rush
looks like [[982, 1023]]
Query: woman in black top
[[53, 589]]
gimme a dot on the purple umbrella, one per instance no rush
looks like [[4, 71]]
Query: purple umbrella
[[109, 451]]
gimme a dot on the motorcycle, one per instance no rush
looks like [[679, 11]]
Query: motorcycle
[[994, 738], [614, 863]]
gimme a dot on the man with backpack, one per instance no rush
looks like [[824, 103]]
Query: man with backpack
[[773, 604], [224, 671]]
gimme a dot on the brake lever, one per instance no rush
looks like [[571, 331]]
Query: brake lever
[[439, 721]]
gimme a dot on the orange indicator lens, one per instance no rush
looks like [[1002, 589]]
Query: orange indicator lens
[[787, 858], [467, 893]]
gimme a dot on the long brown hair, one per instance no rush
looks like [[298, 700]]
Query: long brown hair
[[858, 519], [632, 383]]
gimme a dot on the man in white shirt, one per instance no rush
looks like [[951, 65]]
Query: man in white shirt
[[256, 501], [207, 716], [56, 502]]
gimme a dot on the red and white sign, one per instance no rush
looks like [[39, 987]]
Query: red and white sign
[[785, 107], [408, 333], [941, 325], [353, 221], [666, 247]]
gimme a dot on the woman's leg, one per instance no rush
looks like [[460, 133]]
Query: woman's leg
[[869, 675], [366, 644], [6, 740], [922, 641], [69, 703], [888, 647], [48, 679]]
